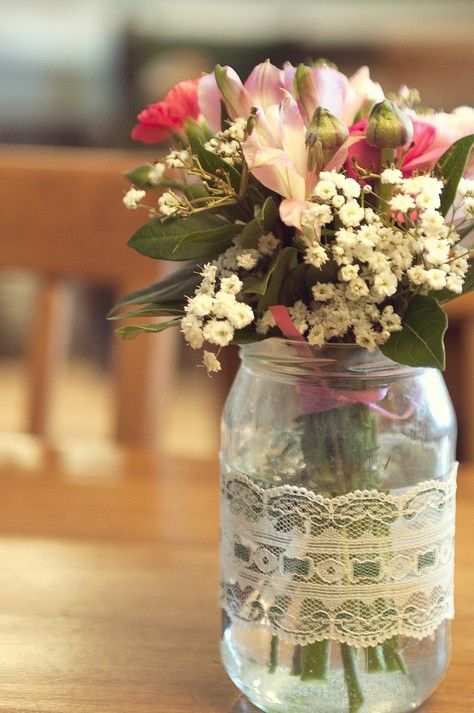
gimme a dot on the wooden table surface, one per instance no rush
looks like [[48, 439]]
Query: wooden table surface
[[108, 587]]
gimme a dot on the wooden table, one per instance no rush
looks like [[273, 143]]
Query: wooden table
[[108, 588]]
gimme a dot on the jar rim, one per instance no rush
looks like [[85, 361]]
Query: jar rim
[[292, 357]]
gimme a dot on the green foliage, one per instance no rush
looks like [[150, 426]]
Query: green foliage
[[199, 236], [261, 225], [151, 310], [167, 292], [451, 167], [209, 161], [286, 260], [420, 342], [130, 331]]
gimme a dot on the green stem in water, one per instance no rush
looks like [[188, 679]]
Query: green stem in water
[[296, 661], [374, 659], [315, 661], [354, 692], [394, 659], [274, 648]]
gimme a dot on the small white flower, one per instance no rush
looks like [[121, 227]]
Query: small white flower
[[385, 283], [247, 259], [437, 251], [469, 204], [455, 283], [132, 198], [168, 204], [351, 188], [427, 201], [156, 173], [265, 322], [323, 291], [267, 244], [177, 159], [211, 362], [223, 304], [432, 222], [402, 203], [316, 337], [231, 284], [436, 279], [338, 201], [191, 327], [391, 175], [466, 187], [241, 315], [357, 288], [325, 190], [348, 272], [390, 320], [200, 305], [317, 215], [219, 332], [315, 255], [351, 214], [417, 275]]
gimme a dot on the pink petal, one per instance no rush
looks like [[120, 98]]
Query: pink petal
[[331, 88], [293, 133], [291, 212], [209, 99], [234, 94], [274, 169], [264, 84]]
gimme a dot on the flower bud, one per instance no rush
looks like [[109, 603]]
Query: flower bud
[[330, 131], [388, 127], [304, 90]]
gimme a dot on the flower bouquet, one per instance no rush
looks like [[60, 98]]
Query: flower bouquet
[[321, 225]]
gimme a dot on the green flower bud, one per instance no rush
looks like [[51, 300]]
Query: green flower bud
[[330, 131], [388, 127], [304, 90]]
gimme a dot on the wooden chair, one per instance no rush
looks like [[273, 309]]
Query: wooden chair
[[460, 369], [61, 218]]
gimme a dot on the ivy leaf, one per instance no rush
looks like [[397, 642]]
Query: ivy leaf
[[130, 331], [420, 342], [443, 296], [451, 167], [200, 236]]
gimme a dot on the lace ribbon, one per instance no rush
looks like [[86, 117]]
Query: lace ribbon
[[358, 568]]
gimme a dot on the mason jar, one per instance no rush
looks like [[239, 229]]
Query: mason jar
[[338, 498]]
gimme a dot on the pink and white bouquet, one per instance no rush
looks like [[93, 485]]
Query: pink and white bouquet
[[307, 204]]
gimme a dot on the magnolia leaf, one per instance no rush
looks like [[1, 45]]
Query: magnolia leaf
[[286, 260], [172, 289], [130, 331], [451, 167], [443, 296], [209, 161], [420, 342], [200, 236], [151, 310]]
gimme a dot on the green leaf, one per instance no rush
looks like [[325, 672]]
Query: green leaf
[[208, 160], [286, 260], [443, 296], [420, 342], [250, 234], [151, 310], [130, 331], [139, 177], [451, 167], [294, 286], [200, 236], [268, 215], [173, 288]]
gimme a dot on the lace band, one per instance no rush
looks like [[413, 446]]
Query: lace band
[[358, 568]]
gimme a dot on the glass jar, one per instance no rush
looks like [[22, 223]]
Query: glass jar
[[338, 485]]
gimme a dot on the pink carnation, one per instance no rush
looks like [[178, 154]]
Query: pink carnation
[[157, 120]]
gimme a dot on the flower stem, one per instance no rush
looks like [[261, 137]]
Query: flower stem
[[354, 692], [274, 649], [394, 659], [375, 660], [315, 661]]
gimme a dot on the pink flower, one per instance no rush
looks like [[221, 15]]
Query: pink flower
[[157, 120], [433, 134]]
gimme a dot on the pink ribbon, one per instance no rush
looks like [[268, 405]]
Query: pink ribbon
[[317, 398]]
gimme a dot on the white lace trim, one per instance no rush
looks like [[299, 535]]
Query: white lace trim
[[358, 568]]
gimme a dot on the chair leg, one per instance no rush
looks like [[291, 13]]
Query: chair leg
[[48, 344]]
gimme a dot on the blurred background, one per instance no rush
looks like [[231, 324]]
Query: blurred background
[[74, 73]]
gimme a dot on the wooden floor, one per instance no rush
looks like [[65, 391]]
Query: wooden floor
[[81, 409]]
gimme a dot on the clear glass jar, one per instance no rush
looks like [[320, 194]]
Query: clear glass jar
[[331, 421]]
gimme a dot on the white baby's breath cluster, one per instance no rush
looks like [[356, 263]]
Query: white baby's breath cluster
[[408, 247], [214, 313], [227, 143]]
